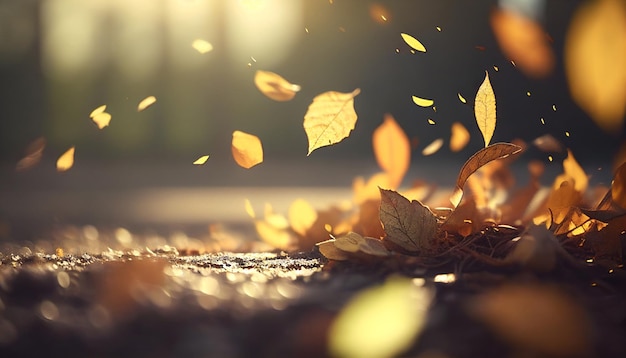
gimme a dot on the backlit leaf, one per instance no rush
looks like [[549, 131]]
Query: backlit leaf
[[201, 160], [618, 188], [301, 216], [247, 149], [459, 138], [595, 54], [575, 171], [485, 109], [201, 46], [330, 118], [433, 147], [145, 103], [413, 42], [409, 225], [101, 119], [331, 252], [354, 243], [274, 86], [66, 160], [422, 102], [392, 150], [480, 158], [368, 190]]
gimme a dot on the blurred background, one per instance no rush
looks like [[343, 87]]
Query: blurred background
[[60, 59]]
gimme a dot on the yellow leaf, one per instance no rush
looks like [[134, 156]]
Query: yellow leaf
[[353, 243], [480, 158], [381, 321], [66, 160], [392, 150], [409, 225], [201, 46], [101, 119], [145, 103], [330, 118], [98, 111], [349, 242], [575, 171], [201, 160], [485, 109], [413, 42], [459, 138], [595, 54], [249, 208], [274, 86], [433, 147], [422, 102], [461, 98], [301, 216], [247, 149]]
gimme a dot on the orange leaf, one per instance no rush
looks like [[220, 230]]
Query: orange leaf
[[330, 118], [410, 225], [485, 109], [364, 191], [459, 138], [392, 149], [274, 86], [66, 160], [575, 171], [247, 149]]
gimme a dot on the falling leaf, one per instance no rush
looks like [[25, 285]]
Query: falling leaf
[[101, 119], [249, 208], [524, 41], [461, 98], [330, 118], [595, 54], [548, 143], [392, 150], [247, 149], [408, 224], [145, 103], [459, 138], [381, 321], [422, 102], [433, 147], [33, 154], [97, 111], [364, 191], [431, 122], [202, 46], [413, 42], [201, 160], [301, 216], [66, 160], [274, 86], [618, 188], [485, 109], [480, 158]]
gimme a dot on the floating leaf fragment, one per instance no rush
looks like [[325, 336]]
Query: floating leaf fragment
[[145, 103], [422, 102], [392, 150], [461, 98], [459, 137], [202, 46], [433, 147], [330, 118], [66, 160], [413, 42], [275, 86], [249, 209], [97, 111], [431, 122], [101, 119], [247, 149], [485, 109], [201, 160]]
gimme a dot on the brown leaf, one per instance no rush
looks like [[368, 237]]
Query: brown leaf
[[410, 225], [610, 242], [369, 218], [485, 109], [618, 188], [331, 252], [459, 138], [392, 150], [66, 160], [330, 118], [274, 86], [480, 158], [247, 149], [535, 250]]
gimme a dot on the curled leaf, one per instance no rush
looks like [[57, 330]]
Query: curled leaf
[[247, 149], [66, 160], [331, 252], [408, 224], [485, 109], [145, 103], [422, 102], [330, 118], [392, 150], [413, 42], [274, 86], [459, 138]]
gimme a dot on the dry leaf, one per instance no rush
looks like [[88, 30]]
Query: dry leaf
[[330, 118], [101, 119], [369, 218], [66, 160], [247, 149], [422, 102], [464, 220], [523, 41], [485, 109], [274, 86], [201, 160], [33, 154], [145, 103], [459, 138], [201, 46], [433, 147], [461, 98], [480, 158], [409, 225], [301, 216], [595, 54], [413, 42], [330, 251], [97, 111], [618, 187], [392, 150]]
